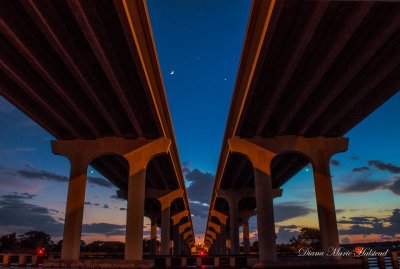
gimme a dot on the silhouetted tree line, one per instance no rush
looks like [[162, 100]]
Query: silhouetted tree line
[[308, 237], [30, 242]]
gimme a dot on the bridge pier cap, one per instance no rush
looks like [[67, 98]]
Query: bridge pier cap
[[80, 153], [318, 150]]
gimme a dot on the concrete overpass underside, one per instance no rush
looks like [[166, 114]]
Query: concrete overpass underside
[[88, 73], [309, 72]]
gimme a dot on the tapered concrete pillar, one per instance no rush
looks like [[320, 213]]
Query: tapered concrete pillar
[[165, 230], [216, 245], [325, 201], [178, 230], [245, 216], [166, 198], [74, 212], [183, 231], [246, 237], [222, 242], [265, 217], [185, 246], [222, 218], [177, 240], [153, 234], [134, 216], [234, 226]]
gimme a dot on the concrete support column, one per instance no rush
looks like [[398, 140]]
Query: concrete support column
[[35, 261], [216, 262], [234, 226], [153, 235], [179, 228], [216, 245], [325, 200], [395, 260], [165, 230], [138, 153], [22, 260], [135, 214], [183, 262], [246, 236], [245, 216], [166, 199], [177, 240], [265, 217], [183, 245], [222, 242], [6, 260], [74, 210]]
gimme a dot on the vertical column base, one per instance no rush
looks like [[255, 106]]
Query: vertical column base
[[265, 218], [216, 262], [165, 231], [394, 260], [168, 262], [198, 261], [134, 216], [22, 261], [183, 262], [232, 262], [6, 260]]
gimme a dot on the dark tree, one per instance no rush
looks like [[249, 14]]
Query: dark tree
[[308, 237], [254, 247], [8, 242], [35, 239]]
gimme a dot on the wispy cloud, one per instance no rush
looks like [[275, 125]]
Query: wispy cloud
[[367, 225], [395, 186], [364, 178], [289, 210], [199, 209], [362, 185], [335, 163], [24, 216], [103, 228], [360, 169], [385, 166], [38, 174], [201, 184], [285, 233]]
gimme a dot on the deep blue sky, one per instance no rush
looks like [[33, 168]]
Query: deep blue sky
[[199, 45], [201, 42]]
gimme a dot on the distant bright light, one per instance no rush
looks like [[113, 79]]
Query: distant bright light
[[172, 72], [40, 251], [91, 171], [307, 169], [225, 79]]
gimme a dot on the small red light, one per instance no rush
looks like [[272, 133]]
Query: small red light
[[358, 250], [201, 253], [40, 251]]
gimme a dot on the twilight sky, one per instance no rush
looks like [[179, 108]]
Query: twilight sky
[[199, 45]]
